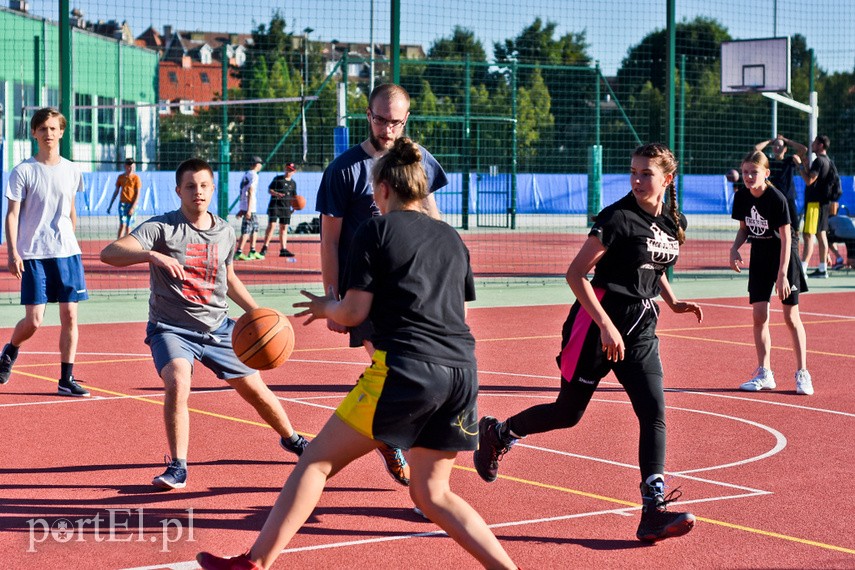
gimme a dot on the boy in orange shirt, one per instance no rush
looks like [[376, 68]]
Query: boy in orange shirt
[[130, 185]]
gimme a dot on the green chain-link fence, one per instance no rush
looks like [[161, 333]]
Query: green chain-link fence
[[532, 107]]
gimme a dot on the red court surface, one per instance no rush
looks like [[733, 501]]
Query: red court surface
[[492, 254], [768, 475]]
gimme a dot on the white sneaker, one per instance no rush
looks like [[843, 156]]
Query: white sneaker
[[763, 380], [804, 384]]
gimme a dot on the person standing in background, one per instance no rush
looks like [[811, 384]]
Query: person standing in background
[[282, 190], [130, 185], [248, 201]]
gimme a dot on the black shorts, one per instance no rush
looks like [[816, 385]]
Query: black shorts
[[278, 211], [405, 403], [582, 358], [763, 272]]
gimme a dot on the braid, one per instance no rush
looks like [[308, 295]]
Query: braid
[[664, 159], [672, 198]]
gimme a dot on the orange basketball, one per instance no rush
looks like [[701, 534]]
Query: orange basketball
[[299, 202], [263, 338]]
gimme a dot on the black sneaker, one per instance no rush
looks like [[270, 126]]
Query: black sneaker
[[818, 274], [6, 363], [396, 463], [491, 448], [285, 253], [296, 447], [263, 250], [657, 523], [175, 476], [70, 387]]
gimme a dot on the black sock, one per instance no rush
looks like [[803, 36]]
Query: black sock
[[65, 373], [11, 351]]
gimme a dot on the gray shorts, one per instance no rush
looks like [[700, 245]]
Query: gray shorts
[[213, 349]]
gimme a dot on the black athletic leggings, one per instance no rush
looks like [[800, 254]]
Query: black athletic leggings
[[640, 374]]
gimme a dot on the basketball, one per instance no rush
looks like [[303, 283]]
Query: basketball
[[732, 175], [299, 202], [263, 338]]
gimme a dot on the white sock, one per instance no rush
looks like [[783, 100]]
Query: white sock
[[822, 267], [805, 265]]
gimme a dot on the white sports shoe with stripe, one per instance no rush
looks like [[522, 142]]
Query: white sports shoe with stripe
[[763, 380]]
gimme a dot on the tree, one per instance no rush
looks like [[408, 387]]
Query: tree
[[570, 88]]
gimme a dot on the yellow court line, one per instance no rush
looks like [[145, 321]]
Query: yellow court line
[[703, 519], [158, 402]]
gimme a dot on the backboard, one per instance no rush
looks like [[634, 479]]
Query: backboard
[[755, 66]]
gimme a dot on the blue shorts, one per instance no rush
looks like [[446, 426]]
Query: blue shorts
[[213, 349], [125, 218], [53, 280]]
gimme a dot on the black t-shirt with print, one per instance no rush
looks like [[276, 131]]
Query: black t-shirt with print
[[639, 248], [418, 270], [763, 215], [282, 185]]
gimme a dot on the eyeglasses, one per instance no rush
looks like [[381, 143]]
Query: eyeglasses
[[384, 122]]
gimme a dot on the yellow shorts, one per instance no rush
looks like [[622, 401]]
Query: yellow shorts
[[811, 218]]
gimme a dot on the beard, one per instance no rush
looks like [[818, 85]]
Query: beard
[[375, 142]]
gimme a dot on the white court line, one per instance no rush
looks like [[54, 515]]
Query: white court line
[[756, 401], [624, 511], [780, 444], [775, 310]]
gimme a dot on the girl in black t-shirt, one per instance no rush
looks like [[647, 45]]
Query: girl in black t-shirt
[[612, 327], [764, 219], [421, 389]]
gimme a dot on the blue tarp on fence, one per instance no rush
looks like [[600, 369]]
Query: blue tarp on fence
[[536, 193]]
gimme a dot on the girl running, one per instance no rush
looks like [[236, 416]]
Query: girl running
[[612, 327], [764, 219], [421, 388]]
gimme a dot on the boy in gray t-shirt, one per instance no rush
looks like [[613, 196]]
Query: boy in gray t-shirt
[[189, 252]]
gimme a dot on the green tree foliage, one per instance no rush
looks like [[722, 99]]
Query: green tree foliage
[[570, 88]]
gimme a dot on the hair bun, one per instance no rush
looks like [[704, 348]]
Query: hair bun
[[405, 152]]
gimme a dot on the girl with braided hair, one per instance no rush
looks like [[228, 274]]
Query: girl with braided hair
[[612, 327], [420, 392]]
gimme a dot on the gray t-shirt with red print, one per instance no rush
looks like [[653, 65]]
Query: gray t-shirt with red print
[[199, 302]]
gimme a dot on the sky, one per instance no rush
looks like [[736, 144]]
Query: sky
[[611, 26]]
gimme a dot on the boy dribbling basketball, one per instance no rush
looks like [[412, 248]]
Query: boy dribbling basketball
[[189, 252]]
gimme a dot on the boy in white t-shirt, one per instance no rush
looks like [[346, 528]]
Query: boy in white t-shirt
[[248, 200], [42, 247]]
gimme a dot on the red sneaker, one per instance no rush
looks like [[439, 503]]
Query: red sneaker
[[210, 562]]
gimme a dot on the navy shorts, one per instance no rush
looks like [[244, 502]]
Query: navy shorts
[[763, 272], [213, 349], [54, 280]]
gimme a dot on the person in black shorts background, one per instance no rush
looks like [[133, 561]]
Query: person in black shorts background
[[411, 274], [282, 191], [764, 219], [612, 327]]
